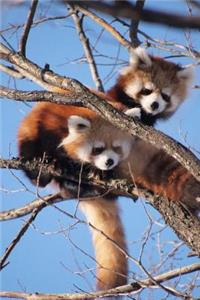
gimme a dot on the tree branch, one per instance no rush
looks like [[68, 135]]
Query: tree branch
[[116, 34], [27, 27], [30, 207], [18, 237], [126, 9], [11, 71], [76, 93], [135, 23], [36, 22], [86, 46], [186, 226], [123, 290]]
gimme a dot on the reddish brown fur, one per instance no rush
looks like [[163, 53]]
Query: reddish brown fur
[[177, 180], [107, 231], [153, 169], [51, 116], [42, 131], [155, 73], [162, 73]]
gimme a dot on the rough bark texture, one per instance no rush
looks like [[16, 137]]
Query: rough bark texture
[[184, 224]]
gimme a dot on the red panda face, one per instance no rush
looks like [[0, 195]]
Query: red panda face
[[156, 85], [97, 142], [107, 158]]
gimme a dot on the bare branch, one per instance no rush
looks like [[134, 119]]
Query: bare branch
[[86, 46], [27, 27], [107, 26], [11, 71], [76, 91], [134, 25], [36, 22], [36, 96], [187, 226], [79, 93], [126, 9], [16, 240], [72, 170], [129, 288], [30, 207]]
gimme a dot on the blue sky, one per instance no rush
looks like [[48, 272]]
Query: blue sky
[[46, 260]]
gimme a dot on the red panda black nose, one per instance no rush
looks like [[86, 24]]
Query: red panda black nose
[[109, 162], [154, 105]]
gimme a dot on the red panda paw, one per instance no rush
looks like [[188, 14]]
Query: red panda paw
[[134, 112]]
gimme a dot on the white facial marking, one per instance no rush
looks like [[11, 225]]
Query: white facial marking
[[74, 121], [102, 162], [125, 145], [98, 144], [147, 103], [198, 199], [133, 87], [167, 91], [126, 148], [84, 151], [117, 143], [149, 85], [134, 112], [74, 128]]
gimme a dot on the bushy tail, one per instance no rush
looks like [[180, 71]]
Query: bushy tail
[[109, 241]]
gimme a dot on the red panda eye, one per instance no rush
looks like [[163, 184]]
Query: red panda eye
[[97, 150], [81, 126], [146, 92], [117, 149], [166, 97]]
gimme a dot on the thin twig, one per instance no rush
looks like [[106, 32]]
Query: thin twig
[[129, 288], [36, 22], [107, 26], [19, 236], [27, 27], [86, 46], [134, 25]]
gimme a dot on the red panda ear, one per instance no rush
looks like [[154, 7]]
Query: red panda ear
[[78, 124], [186, 74], [139, 57]]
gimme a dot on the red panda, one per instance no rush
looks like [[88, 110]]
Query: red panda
[[151, 88], [59, 131]]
